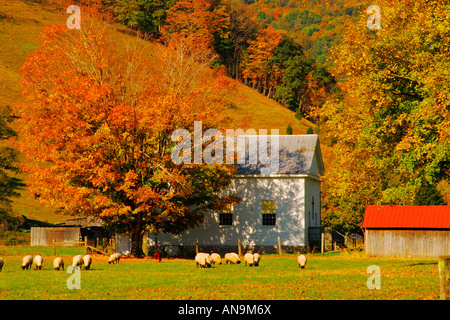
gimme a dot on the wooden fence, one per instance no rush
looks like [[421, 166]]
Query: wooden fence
[[105, 249]]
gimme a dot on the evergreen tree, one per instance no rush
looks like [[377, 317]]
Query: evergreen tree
[[9, 184]]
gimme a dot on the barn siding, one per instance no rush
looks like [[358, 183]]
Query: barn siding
[[44, 236], [415, 243]]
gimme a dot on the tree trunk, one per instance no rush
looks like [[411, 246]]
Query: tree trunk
[[136, 237], [136, 242]]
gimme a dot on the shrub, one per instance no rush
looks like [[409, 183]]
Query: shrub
[[289, 129]]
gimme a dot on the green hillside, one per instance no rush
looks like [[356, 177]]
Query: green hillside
[[20, 25], [316, 25]]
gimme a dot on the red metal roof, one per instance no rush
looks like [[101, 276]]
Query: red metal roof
[[430, 217]]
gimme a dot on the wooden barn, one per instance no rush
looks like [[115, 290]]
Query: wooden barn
[[407, 231], [72, 230], [44, 236]]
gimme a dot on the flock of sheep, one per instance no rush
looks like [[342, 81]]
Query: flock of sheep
[[58, 263], [205, 260]]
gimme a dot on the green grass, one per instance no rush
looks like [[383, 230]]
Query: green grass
[[330, 277]]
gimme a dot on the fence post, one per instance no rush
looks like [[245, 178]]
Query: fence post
[[196, 245], [145, 244], [105, 244], [444, 276], [54, 247], [239, 247], [85, 245], [279, 246], [322, 242]]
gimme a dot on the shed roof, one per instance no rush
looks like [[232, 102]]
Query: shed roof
[[297, 154], [409, 217]]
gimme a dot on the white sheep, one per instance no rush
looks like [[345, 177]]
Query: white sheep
[[77, 261], [38, 261], [301, 261], [27, 262], [203, 260], [232, 258], [215, 258], [58, 263], [114, 258], [256, 259], [248, 259], [87, 260], [2, 263]]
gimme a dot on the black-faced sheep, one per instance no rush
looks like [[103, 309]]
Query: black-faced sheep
[[38, 261], [114, 258], [232, 258], [27, 262], [301, 261], [87, 261], [77, 261], [58, 263], [203, 260], [256, 259], [248, 259]]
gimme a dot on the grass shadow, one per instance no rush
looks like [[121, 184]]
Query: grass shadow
[[421, 264]]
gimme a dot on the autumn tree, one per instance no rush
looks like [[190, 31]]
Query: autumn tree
[[232, 49], [96, 124], [257, 67], [203, 23], [389, 129]]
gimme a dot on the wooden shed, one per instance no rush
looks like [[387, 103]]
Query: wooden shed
[[407, 231], [44, 236]]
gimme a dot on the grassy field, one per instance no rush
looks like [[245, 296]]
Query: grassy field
[[341, 276]]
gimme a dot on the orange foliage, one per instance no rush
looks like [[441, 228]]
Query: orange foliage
[[96, 127]]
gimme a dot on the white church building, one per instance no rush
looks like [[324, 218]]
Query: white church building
[[279, 206]]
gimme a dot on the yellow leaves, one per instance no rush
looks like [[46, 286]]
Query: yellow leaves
[[259, 53]]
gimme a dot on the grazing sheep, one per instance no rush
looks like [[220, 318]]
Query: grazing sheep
[[215, 258], [77, 261], [232, 258], [27, 262], [87, 260], [1, 264], [203, 260], [256, 259], [248, 259], [114, 258], [301, 261], [58, 263], [38, 261]]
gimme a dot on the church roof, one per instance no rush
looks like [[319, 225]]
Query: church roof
[[297, 154]]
